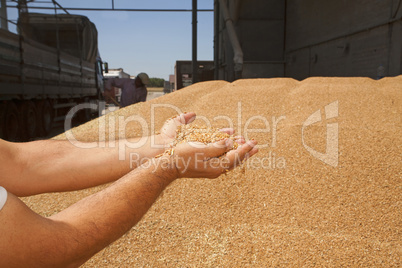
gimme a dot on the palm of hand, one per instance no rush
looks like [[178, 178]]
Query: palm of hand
[[168, 131]]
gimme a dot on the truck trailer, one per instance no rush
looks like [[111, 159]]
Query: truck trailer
[[49, 66]]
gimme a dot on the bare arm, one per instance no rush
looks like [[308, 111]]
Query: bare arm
[[77, 233], [53, 166], [72, 236]]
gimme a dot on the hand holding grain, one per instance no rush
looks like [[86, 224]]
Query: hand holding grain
[[178, 124], [198, 160]]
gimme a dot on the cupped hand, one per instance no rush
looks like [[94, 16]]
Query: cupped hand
[[197, 160], [168, 130]]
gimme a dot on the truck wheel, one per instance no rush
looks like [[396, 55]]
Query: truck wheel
[[29, 120], [12, 123], [47, 115], [87, 114], [3, 107], [44, 118]]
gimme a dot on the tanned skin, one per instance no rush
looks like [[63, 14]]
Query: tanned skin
[[72, 236]]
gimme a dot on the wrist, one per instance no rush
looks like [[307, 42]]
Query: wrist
[[161, 142], [158, 140], [162, 167], [157, 145]]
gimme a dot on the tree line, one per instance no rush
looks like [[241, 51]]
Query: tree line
[[156, 82]]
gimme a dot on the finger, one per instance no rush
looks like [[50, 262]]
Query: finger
[[217, 149], [240, 140], [232, 159], [235, 157], [185, 118], [229, 131], [251, 153], [190, 117]]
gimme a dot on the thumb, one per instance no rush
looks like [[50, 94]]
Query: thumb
[[185, 118]]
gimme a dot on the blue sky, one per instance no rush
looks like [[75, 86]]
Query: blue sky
[[148, 42]]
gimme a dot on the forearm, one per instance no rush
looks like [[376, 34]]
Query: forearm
[[115, 210], [62, 166], [80, 231], [72, 236]]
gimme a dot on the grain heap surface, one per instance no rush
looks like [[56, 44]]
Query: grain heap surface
[[285, 207]]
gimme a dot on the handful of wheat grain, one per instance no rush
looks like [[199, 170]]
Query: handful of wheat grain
[[194, 133]]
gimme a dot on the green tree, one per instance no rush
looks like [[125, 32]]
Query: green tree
[[156, 82]]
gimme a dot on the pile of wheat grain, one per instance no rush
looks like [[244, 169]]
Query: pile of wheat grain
[[285, 206]]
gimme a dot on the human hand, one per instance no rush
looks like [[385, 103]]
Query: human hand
[[168, 131], [197, 160]]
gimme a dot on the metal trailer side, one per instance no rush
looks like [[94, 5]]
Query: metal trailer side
[[52, 65]]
